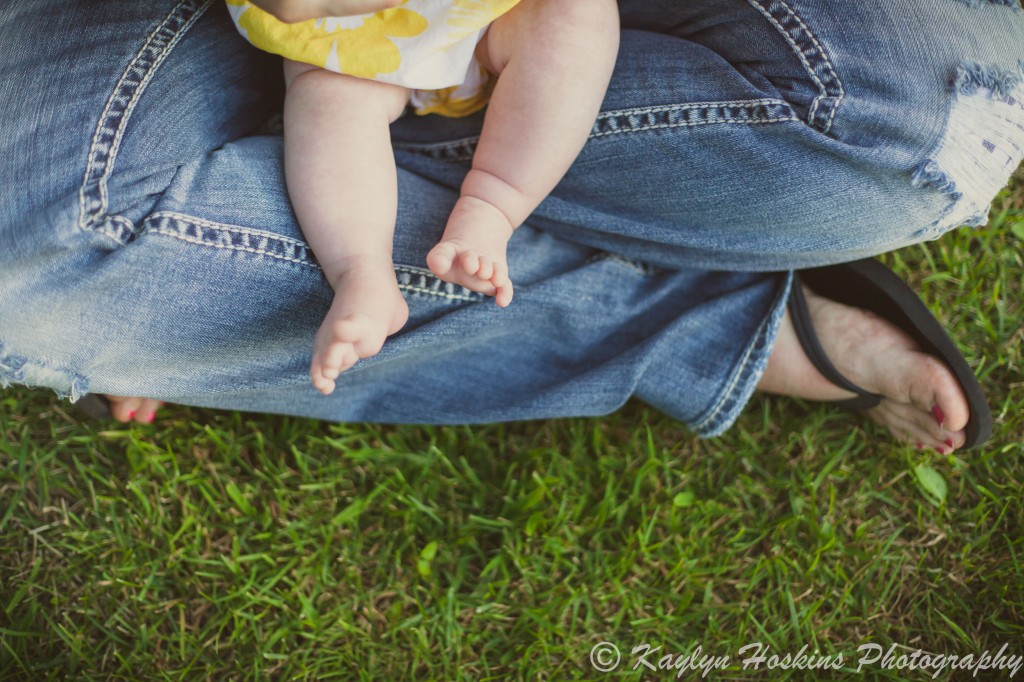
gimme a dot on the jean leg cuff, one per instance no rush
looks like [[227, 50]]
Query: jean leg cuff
[[740, 386]]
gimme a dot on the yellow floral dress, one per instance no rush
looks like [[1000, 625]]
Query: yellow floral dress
[[424, 45]]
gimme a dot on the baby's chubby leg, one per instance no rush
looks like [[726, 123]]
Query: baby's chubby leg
[[554, 59], [341, 178]]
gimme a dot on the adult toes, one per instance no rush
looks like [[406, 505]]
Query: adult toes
[[935, 390], [904, 429], [942, 437], [124, 409], [146, 412]]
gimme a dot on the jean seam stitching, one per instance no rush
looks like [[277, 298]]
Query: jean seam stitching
[[106, 140], [466, 295], [231, 247], [172, 224], [239, 229], [104, 227], [762, 110], [741, 112], [639, 267], [693, 124], [437, 148], [431, 292], [746, 103], [806, 57]]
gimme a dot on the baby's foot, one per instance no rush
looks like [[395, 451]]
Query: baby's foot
[[472, 251], [367, 308]]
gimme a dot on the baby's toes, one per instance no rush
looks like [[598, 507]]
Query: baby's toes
[[327, 366], [441, 258], [364, 336], [334, 360], [317, 376], [500, 276], [322, 383], [469, 261], [486, 269], [503, 294]]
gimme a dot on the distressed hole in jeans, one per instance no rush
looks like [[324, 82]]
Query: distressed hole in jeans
[[981, 147], [17, 369]]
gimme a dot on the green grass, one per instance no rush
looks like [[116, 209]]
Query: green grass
[[220, 545]]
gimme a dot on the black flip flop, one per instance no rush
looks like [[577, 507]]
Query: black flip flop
[[870, 285], [94, 407]]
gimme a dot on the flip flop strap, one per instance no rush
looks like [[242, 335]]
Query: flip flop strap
[[801, 317]]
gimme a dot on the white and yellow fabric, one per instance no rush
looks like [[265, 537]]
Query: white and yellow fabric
[[424, 45]]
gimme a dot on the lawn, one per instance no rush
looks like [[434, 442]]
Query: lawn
[[217, 545]]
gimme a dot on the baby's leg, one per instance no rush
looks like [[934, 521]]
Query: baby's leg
[[555, 58], [341, 179]]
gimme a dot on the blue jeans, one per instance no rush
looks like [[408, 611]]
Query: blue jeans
[[147, 246]]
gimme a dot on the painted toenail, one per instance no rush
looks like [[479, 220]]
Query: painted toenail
[[131, 415], [941, 451], [151, 417], [949, 442], [939, 415]]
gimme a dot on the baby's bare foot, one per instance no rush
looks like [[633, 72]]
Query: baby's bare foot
[[367, 308], [472, 251]]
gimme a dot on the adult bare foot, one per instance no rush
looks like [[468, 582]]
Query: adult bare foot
[[125, 409], [923, 402]]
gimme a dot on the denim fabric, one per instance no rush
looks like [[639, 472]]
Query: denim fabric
[[147, 246]]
